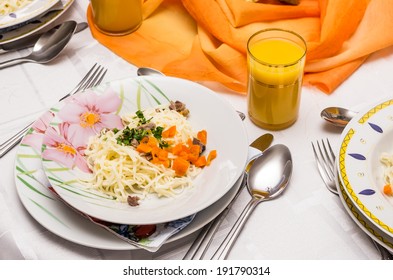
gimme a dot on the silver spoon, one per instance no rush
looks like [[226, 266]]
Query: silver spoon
[[48, 46], [266, 180], [337, 116], [146, 71]]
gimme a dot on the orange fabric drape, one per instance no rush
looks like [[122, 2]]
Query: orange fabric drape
[[205, 40]]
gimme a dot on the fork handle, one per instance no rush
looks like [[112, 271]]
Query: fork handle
[[202, 242], [230, 239], [13, 141]]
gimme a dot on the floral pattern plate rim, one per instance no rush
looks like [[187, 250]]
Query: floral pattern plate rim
[[362, 141], [45, 207], [64, 169], [35, 25], [30, 11]]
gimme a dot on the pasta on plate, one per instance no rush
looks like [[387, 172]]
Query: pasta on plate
[[157, 152], [387, 161]]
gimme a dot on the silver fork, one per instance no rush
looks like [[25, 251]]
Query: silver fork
[[93, 78], [325, 159]]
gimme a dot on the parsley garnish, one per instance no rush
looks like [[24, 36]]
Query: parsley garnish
[[129, 134]]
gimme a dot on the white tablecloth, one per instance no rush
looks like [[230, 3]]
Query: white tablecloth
[[306, 223]]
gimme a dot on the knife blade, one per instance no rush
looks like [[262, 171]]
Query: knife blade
[[259, 145], [29, 41], [205, 237]]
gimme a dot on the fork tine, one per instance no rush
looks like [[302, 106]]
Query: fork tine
[[329, 152], [90, 80], [328, 163], [325, 166], [320, 163], [96, 78], [82, 84]]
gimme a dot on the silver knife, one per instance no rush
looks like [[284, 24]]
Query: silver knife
[[205, 237], [29, 41]]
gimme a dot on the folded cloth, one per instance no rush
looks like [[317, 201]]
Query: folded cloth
[[206, 40]]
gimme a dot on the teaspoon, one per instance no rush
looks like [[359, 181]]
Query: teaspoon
[[48, 46], [337, 116], [146, 71], [267, 178]]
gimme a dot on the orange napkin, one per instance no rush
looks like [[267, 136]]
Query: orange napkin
[[206, 40]]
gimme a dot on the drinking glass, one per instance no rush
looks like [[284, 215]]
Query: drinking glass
[[117, 17], [275, 60]]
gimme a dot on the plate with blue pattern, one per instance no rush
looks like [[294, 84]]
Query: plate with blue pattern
[[363, 141]]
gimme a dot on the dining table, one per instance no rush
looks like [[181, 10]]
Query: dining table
[[307, 222]]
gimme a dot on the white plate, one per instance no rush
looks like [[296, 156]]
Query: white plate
[[35, 25], [371, 230], [207, 111], [28, 12], [54, 215], [363, 140]]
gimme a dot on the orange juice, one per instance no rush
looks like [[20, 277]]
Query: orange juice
[[117, 17], [275, 65]]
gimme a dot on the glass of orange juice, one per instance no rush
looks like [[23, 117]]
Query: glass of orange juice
[[275, 60], [117, 17]]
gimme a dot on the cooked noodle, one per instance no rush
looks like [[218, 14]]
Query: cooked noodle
[[120, 170], [387, 160]]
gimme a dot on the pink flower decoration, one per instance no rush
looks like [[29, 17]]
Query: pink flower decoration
[[34, 139], [60, 149], [89, 113]]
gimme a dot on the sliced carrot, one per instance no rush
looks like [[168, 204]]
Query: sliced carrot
[[387, 189], [212, 155], [152, 142], [160, 156], [202, 136], [170, 132], [180, 166], [144, 140], [201, 161], [194, 152], [177, 149], [144, 148]]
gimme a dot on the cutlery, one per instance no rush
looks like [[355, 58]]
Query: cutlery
[[48, 46], [267, 179], [92, 78], [202, 242], [337, 116], [30, 41], [325, 160], [147, 71]]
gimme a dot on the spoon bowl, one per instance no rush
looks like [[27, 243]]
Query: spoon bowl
[[146, 71], [337, 116], [267, 179], [48, 46], [270, 174]]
